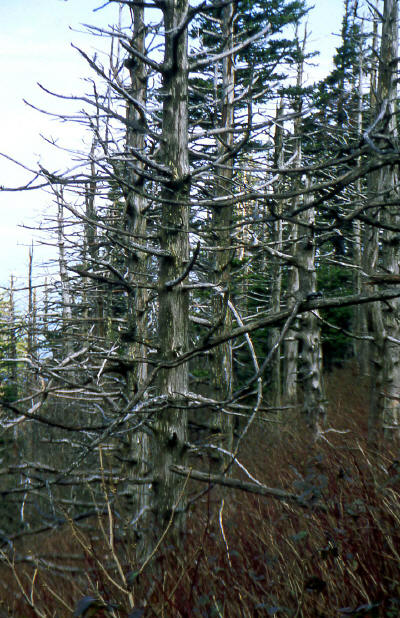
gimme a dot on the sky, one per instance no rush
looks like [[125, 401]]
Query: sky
[[36, 38]]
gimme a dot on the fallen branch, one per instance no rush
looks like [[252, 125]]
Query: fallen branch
[[263, 490]]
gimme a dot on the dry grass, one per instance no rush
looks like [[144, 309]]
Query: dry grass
[[269, 558]]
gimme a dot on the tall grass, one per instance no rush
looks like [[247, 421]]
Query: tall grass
[[245, 555]]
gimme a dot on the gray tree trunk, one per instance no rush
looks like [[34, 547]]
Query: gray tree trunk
[[276, 270], [91, 253], [388, 187], [360, 346], [139, 454], [291, 343], [310, 332], [385, 318], [222, 362], [170, 427], [66, 296]]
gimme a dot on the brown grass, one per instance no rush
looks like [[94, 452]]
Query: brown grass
[[275, 559]]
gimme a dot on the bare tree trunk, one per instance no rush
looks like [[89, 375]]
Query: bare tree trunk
[[66, 296], [137, 263], [31, 310], [12, 337], [373, 316], [222, 362], [310, 332], [360, 347], [309, 336], [276, 271], [170, 426], [385, 318], [91, 249], [30, 439], [291, 343], [388, 187]]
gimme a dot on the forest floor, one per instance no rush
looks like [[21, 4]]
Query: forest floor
[[245, 555]]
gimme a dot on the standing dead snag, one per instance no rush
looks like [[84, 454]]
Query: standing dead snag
[[170, 426], [222, 220], [384, 319]]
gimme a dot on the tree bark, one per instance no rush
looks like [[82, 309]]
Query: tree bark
[[222, 361], [276, 270], [139, 453], [385, 318], [170, 427], [310, 332]]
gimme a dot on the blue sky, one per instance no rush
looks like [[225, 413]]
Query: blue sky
[[35, 47]]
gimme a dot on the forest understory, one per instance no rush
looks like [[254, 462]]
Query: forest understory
[[249, 555]]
